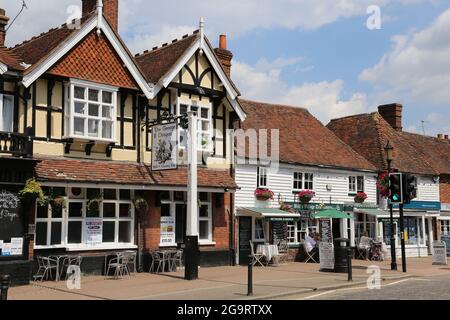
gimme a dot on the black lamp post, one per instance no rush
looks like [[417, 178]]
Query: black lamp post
[[389, 157]]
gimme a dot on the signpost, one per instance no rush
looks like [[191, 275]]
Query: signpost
[[440, 253]]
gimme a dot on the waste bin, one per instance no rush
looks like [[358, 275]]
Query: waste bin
[[341, 255]]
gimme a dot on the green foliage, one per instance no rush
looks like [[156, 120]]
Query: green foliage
[[33, 192]]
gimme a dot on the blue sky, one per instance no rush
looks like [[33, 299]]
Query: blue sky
[[315, 54]]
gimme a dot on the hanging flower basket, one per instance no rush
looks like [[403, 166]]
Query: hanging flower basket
[[33, 192], [141, 206], [306, 196], [360, 197], [383, 184], [57, 203], [264, 194]]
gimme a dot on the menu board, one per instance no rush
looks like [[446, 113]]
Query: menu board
[[326, 255], [326, 234], [167, 230], [439, 253], [10, 219], [279, 231]]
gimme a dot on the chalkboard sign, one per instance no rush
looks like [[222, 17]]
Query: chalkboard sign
[[10, 216], [326, 234], [326, 256], [245, 235], [279, 231]]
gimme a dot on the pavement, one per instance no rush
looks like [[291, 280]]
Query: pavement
[[225, 283]]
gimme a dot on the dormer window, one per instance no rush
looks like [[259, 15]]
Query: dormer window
[[91, 111]]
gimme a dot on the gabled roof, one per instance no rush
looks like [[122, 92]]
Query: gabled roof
[[43, 51], [368, 134], [303, 138], [10, 60]]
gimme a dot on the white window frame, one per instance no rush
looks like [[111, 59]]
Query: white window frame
[[297, 179], [71, 115], [445, 227], [262, 177], [258, 239], [353, 184], [207, 219], [305, 178], [65, 223], [291, 232], [2, 104], [200, 121]]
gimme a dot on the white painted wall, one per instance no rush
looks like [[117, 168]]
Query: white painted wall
[[281, 183]]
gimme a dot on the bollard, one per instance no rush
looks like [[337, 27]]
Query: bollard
[[250, 276], [349, 262], [4, 286]]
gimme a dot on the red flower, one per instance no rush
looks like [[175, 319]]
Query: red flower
[[360, 197], [383, 184], [305, 196], [264, 194]]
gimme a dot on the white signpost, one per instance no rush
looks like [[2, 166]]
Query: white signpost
[[164, 147], [326, 255], [440, 253]]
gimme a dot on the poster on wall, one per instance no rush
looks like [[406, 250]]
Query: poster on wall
[[16, 246], [167, 231], [6, 249], [164, 150], [325, 231], [94, 231]]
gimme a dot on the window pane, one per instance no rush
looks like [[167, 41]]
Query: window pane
[[79, 93], [7, 114], [205, 113], [107, 129], [109, 210], [110, 194], [125, 195], [194, 108], [107, 97], [41, 233], [42, 212], [183, 109], [125, 231], [93, 193], [178, 196], [93, 128], [164, 195], [80, 107], [204, 230], [93, 95], [165, 210], [203, 211], [79, 126], [205, 126], [109, 231], [57, 211], [125, 210], [74, 232], [106, 112], [203, 196], [93, 110], [75, 210], [56, 233]]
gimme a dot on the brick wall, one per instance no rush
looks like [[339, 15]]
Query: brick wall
[[445, 188], [221, 225]]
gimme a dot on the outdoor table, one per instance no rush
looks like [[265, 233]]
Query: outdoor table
[[166, 256], [268, 250], [58, 259], [110, 254]]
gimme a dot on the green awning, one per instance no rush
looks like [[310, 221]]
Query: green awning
[[271, 214], [333, 213]]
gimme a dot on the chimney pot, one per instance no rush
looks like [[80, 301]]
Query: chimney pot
[[392, 113], [3, 23], [225, 56], [223, 42], [110, 10]]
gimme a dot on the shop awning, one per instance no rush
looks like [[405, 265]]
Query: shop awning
[[332, 213], [271, 214]]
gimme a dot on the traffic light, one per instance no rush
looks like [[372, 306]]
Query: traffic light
[[409, 188], [395, 188]]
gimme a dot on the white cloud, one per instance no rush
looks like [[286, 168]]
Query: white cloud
[[323, 99], [417, 68]]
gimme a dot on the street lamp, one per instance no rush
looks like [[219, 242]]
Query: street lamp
[[389, 157]]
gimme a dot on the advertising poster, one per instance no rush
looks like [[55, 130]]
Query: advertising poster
[[167, 230], [165, 153], [6, 249], [94, 231], [16, 246]]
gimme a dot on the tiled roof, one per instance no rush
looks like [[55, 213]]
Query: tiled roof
[[158, 62], [368, 134], [10, 59], [86, 171], [303, 138]]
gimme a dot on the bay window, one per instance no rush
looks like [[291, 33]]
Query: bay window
[[91, 112], [204, 126], [6, 112]]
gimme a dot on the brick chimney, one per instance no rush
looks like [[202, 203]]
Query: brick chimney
[[392, 113], [225, 56], [3, 23], [110, 10]]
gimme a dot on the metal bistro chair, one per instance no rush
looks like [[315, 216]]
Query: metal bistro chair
[[176, 261], [132, 261], [70, 261], [158, 261], [120, 265], [283, 251], [308, 255], [257, 257], [46, 265]]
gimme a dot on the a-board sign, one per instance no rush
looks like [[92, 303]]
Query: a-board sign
[[11, 225], [326, 255], [439, 253], [325, 231]]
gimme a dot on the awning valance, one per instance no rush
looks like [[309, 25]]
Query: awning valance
[[271, 214]]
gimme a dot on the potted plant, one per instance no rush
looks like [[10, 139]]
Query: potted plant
[[141, 205], [360, 197], [33, 192], [57, 202], [306, 196], [264, 194], [93, 204], [383, 184]]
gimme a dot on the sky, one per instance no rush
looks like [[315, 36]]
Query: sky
[[317, 54]]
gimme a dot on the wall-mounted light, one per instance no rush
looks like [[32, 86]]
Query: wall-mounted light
[[436, 179], [329, 187]]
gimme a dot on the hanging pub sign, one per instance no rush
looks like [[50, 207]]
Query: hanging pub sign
[[165, 147]]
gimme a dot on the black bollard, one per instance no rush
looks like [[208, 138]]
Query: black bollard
[[4, 286], [250, 276], [349, 264]]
